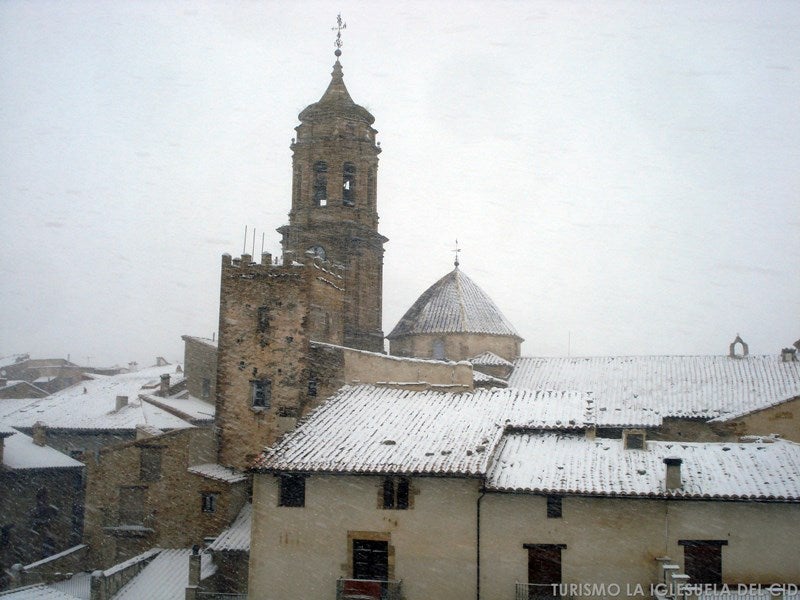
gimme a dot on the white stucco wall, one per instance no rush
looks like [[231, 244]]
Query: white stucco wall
[[300, 552]]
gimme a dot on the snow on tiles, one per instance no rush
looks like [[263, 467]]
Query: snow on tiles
[[558, 463], [93, 404], [367, 429]]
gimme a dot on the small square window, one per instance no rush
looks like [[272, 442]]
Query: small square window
[[554, 507], [209, 502], [293, 491]]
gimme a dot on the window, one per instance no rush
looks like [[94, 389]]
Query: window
[[554, 507], [206, 388], [293, 491], [396, 493], [150, 463], [209, 502], [702, 560], [349, 184], [263, 319], [633, 440], [262, 393], [544, 570], [321, 183], [131, 505], [76, 453], [438, 350], [312, 386]]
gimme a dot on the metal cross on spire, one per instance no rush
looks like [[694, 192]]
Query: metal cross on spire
[[338, 29], [456, 250]]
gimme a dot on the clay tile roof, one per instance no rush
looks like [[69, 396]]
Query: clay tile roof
[[336, 101], [454, 304]]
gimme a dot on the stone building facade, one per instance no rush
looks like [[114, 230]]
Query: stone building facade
[[160, 490], [334, 212], [200, 367], [267, 318]]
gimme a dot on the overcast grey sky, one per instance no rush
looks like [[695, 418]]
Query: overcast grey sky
[[622, 175]]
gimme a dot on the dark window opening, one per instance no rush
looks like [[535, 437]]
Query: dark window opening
[[150, 464], [262, 393], [634, 441], [321, 183], [396, 493], [371, 560], [263, 319], [209, 503], [349, 184], [554, 507], [544, 570], [293, 491], [702, 560], [312, 386], [206, 388]]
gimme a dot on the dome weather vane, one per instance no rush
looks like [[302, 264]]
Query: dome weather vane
[[456, 250], [338, 29]]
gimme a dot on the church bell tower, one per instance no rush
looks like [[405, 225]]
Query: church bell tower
[[334, 211]]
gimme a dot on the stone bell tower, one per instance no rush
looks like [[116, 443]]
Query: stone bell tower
[[334, 211]]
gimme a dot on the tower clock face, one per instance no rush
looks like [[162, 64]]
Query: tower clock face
[[317, 251]]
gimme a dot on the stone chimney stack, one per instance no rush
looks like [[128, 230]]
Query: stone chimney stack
[[122, 401], [789, 355], [673, 480], [266, 259], [163, 390], [39, 433], [194, 566]]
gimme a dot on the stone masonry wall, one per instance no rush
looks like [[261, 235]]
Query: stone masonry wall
[[268, 315]]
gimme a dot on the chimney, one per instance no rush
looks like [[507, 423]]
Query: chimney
[[39, 433], [163, 390], [266, 259], [121, 401], [246, 259], [673, 473], [194, 566], [787, 355]]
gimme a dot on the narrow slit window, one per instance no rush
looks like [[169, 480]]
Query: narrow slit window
[[321, 183], [554, 507], [396, 493], [349, 184]]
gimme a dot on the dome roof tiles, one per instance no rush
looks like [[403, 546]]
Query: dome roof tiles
[[454, 304]]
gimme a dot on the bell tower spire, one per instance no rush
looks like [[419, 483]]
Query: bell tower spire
[[334, 211]]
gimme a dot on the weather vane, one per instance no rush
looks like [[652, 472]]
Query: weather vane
[[456, 250], [338, 30]]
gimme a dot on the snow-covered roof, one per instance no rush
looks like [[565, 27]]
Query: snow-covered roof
[[703, 387], [38, 591], [71, 408], [184, 406], [19, 453], [218, 472], [454, 304], [490, 359], [237, 536], [79, 585], [548, 462], [202, 340], [367, 429], [12, 359], [479, 378], [165, 577]]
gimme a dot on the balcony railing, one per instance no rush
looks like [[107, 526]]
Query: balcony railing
[[538, 591], [368, 589]]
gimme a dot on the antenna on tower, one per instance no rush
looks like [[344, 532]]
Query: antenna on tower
[[253, 253], [262, 242], [244, 244]]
